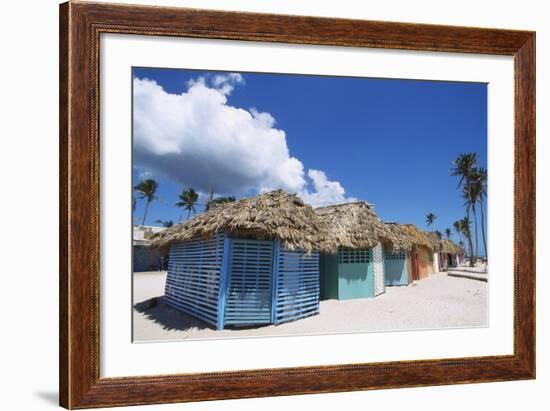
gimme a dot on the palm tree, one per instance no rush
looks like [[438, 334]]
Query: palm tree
[[463, 168], [465, 228], [147, 190], [189, 198], [166, 223], [448, 233], [430, 218], [220, 200], [480, 192], [438, 234], [470, 199], [456, 226]]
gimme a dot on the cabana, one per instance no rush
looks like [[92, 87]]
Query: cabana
[[449, 255], [422, 260], [437, 245], [355, 267], [249, 262], [397, 261]]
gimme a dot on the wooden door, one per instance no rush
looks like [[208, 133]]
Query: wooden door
[[415, 267], [296, 288], [249, 293]]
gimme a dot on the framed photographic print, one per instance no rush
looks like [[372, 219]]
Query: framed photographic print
[[259, 205]]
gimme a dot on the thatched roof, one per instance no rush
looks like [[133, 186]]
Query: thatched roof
[[437, 242], [418, 237], [273, 215], [397, 238], [353, 225], [406, 236], [443, 245], [447, 246]]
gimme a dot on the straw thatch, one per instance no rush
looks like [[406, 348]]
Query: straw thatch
[[418, 237], [447, 246], [353, 225], [397, 238], [437, 242], [268, 216], [443, 245]]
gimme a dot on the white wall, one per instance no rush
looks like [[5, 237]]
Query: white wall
[[28, 161], [378, 258]]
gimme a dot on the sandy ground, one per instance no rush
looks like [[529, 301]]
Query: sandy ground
[[478, 272], [477, 268], [439, 301]]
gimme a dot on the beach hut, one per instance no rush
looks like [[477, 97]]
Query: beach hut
[[449, 254], [437, 245], [422, 260], [355, 267], [397, 261], [249, 262]]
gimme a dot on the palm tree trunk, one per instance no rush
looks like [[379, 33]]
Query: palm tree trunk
[[472, 258], [468, 235], [188, 213], [475, 228], [471, 247], [483, 230], [145, 212]]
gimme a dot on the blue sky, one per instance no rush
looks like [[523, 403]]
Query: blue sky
[[332, 139]]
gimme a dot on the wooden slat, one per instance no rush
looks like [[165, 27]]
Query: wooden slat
[[297, 285], [193, 280], [248, 298]]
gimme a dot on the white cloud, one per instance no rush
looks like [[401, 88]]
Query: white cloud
[[225, 83], [325, 192], [198, 140], [145, 174]]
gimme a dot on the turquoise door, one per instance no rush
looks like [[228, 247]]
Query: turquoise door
[[355, 274], [329, 276]]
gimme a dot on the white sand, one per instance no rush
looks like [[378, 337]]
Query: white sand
[[478, 272], [437, 302]]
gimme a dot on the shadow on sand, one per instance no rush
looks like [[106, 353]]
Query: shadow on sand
[[156, 310]]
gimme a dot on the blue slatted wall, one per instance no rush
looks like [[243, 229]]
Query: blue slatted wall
[[193, 280], [248, 296], [261, 282], [297, 285]]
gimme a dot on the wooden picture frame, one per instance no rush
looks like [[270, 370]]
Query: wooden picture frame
[[80, 27]]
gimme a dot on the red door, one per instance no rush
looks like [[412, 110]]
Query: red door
[[415, 268]]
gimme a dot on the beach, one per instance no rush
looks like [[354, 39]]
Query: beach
[[437, 302]]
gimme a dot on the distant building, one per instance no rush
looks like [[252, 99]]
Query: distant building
[[146, 258], [409, 254], [449, 255], [422, 253]]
